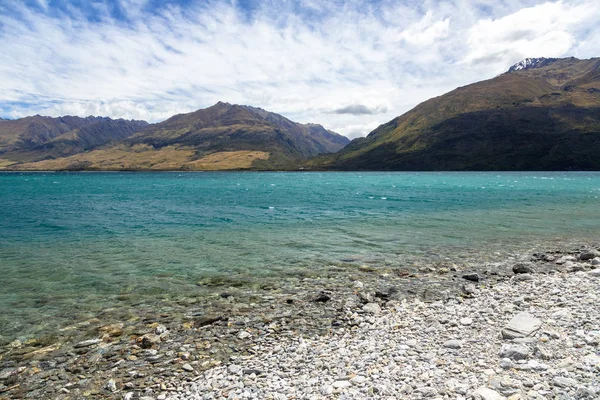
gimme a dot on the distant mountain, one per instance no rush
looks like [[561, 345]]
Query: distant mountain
[[543, 114], [224, 136], [38, 138]]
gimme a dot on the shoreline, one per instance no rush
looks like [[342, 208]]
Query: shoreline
[[156, 354]]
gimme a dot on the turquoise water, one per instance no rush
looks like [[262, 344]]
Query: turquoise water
[[74, 243]]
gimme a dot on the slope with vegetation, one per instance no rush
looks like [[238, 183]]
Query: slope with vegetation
[[32, 139], [543, 114], [221, 137]]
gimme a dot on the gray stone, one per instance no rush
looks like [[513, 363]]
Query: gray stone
[[372, 308], [358, 285], [6, 373], [515, 351], [466, 321], [525, 340], [522, 268], [577, 268], [484, 393], [562, 382], [596, 261], [506, 363], [504, 385], [326, 390], [87, 343], [564, 259], [521, 325], [341, 384], [234, 369], [323, 297], [111, 385], [471, 277], [523, 277], [427, 391], [243, 335], [453, 344], [469, 288], [595, 272], [543, 353], [588, 255], [536, 365], [592, 359], [187, 367], [586, 393], [358, 380], [149, 341]]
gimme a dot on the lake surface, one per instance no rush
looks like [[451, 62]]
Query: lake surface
[[72, 244]]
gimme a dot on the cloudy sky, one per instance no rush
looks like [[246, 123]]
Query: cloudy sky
[[349, 65]]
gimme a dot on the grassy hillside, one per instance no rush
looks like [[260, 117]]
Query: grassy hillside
[[39, 138], [223, 136], [545, 118]]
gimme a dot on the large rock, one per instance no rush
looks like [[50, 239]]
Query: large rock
[[515, 351], [521, 325], [372, 308], [595, 272], [453, 344], [565, 259], [504, 385], [563, 382], [589, 255], [473, 277]]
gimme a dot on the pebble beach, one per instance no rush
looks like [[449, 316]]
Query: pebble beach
[[528, 328]]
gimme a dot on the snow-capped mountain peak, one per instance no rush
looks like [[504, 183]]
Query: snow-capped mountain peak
[[529, 63]]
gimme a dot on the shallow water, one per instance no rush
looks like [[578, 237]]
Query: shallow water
[[74, 243]]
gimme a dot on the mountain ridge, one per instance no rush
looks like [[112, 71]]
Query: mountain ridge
[[223, 136], [542, 117]]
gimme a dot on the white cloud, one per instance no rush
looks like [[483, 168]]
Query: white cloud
[[425, 32], [389, 57], [545, 30]]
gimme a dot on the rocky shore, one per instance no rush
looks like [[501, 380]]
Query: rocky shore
[[525, 328]]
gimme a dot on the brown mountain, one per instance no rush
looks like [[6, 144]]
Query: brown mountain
[[38, 138], [543, 114], [224, 136]]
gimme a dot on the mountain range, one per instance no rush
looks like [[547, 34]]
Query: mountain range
[[224, 136], [542, 114]]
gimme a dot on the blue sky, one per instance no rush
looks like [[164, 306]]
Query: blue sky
[[349, 65]]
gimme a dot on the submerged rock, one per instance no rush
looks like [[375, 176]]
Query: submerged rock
[[209, 320], [323, 297], [87, 343], [522, 268], [111, 385]]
